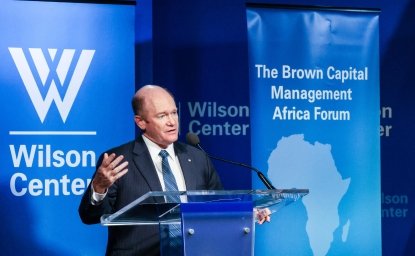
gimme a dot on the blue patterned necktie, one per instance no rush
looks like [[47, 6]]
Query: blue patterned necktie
[[168, 177], [170, 184]]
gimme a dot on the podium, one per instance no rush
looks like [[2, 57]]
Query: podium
[[218, 222]]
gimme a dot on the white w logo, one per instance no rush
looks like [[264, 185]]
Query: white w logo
[[42, 105]]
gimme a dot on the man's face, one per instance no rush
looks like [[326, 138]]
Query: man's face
[[159, 119]]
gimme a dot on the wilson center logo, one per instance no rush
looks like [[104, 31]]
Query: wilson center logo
[[52, 78]]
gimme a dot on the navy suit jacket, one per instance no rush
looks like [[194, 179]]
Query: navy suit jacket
[[199, 174]]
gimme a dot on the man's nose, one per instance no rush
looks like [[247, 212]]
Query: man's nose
[[171, 119]]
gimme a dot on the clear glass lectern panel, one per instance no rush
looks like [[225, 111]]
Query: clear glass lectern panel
[[152, 208]]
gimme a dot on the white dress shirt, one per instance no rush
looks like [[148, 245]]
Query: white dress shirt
[[173, 162]]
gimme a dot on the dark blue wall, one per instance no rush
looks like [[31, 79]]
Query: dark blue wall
[[197, 45]]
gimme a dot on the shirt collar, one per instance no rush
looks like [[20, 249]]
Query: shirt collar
[[155, 149]]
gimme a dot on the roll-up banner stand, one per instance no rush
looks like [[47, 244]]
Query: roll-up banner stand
[[314, 88], [67, 78]]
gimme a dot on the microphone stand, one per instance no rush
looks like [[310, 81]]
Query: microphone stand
[[261, 176]]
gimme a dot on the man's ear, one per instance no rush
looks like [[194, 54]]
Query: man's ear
[[140, 122]]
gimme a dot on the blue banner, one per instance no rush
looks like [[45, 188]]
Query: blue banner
[[67, 78], [314, 88]]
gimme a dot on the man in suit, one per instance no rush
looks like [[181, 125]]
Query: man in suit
[[129, 171]]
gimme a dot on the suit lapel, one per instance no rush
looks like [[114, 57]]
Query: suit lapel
[[186, 163], [142, 160], [144, 165]]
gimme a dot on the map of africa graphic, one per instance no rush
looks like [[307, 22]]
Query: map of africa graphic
[[296, 163]]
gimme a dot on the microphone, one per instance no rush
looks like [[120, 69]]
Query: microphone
[[193, 140]]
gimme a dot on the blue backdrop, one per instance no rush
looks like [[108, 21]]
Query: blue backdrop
[[198, 49], [65, 70], [314, 87], [209, 33]]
